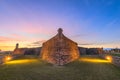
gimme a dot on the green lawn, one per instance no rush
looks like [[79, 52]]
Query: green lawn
[[36, 69], [115, 54]]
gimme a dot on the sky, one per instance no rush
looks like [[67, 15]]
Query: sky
[[90, 23]]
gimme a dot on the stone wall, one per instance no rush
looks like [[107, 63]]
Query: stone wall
[[59, 50], [1, 59], [114, 59], [27, 51], [90, 51], [82, 51]]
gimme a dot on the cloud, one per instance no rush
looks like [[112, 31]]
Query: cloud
[[7, 47], [36, 44], [28, 28], [33, 28], [13, 37], [86, 44], [84, 35], [5, 39], [78, 35], [39, 42], [18, 36]]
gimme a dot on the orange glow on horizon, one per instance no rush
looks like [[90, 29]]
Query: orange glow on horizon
[[10, 46]]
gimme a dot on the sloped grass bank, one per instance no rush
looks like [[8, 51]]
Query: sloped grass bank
[[32, 68]]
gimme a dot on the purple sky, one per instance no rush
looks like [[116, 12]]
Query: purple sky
[[90, 23]]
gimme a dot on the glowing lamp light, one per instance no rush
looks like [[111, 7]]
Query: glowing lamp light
[[8, 58], [109, 58]]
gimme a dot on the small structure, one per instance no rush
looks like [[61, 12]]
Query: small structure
[[95, 51], [59, 50], [82, 50], [117, 50], [19, 51], [90, 51], [26, 51]]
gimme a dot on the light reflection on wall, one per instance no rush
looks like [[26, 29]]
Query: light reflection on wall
[[24, 61], [94, 60]]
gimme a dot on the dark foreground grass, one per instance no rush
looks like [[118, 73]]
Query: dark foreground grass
[[36, 69]]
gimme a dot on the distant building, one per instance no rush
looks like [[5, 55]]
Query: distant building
[[115, 50], [82, 50], [94, 51], [26, 51], [90, 51], [59, 50]]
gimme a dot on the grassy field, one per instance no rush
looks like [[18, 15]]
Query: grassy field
[[115, 54], [86, 68]]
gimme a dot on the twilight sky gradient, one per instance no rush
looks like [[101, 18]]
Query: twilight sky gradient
[[90, 23]]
